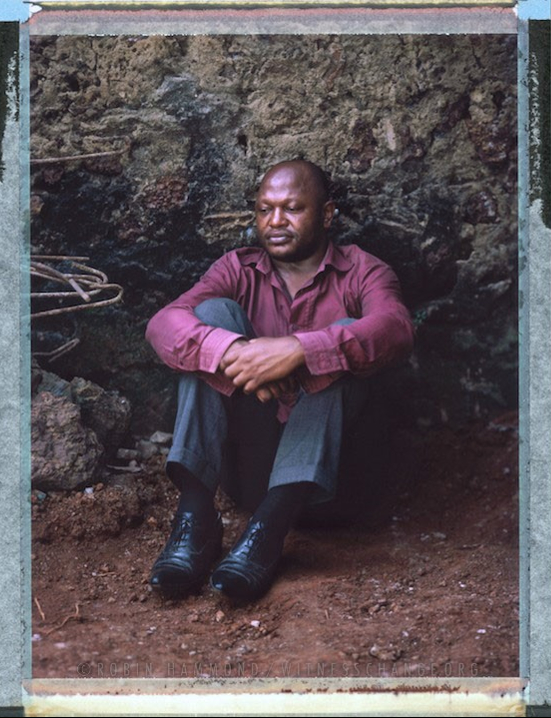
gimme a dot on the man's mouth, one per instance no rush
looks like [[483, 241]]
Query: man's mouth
[[279, 238]]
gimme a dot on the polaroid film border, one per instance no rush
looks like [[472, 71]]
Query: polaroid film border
[[493, 695]]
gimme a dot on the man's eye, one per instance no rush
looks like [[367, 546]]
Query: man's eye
[[262, 210]]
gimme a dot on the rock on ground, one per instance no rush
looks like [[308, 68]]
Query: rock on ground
[[106, 412], [64, 454]]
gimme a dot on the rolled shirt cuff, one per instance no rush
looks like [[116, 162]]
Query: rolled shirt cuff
[[320, 354], [213, 348]]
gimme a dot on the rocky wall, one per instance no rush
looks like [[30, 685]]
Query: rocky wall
[[417, 132]]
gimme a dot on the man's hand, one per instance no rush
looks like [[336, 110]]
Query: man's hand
[[276, 389], [261, 363]]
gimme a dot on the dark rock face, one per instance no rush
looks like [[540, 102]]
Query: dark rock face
[[418, 134]]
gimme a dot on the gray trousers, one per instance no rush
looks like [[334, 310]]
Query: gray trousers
[[306, 448]]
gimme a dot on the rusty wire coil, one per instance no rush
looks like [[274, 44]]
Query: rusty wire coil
[[86, 283]]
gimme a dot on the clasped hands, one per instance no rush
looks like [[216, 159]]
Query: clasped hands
[[263, 366]]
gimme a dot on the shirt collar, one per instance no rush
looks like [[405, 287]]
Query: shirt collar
[[333, 258]]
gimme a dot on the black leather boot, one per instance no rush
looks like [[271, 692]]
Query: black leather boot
[[248, 570], [184, 563]]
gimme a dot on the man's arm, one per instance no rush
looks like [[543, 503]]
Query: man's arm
[[181, 339], [380, 337], [185, 343]]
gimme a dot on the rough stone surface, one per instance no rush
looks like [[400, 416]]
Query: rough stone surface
[[107, 413], [64, 454], [417, 132]]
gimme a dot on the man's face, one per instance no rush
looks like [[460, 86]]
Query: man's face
[[291, 217]]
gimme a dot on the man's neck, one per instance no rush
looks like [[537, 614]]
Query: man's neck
[[307, 266], [296, 275]]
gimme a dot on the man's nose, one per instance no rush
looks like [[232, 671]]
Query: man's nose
[[277, 217]]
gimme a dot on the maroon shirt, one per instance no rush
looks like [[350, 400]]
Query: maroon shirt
[[348, 283]]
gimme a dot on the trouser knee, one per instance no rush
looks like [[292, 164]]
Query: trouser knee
[[225, 314], [213, 311]]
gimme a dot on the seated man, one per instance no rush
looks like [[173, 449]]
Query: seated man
[[295, 326]]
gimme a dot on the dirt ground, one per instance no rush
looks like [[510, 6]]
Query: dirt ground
[[432, 591]]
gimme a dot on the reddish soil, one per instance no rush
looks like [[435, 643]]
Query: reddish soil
[[431, 591]]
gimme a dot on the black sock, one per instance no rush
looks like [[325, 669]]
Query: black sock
[[194, 495], [281, 506]]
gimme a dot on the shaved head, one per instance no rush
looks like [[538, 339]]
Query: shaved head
[[310, 174]]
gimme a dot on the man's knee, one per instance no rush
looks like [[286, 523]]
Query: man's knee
[[223, 313], [214, 309]]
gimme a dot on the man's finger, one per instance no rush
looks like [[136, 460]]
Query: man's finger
[[230, 370], [287, 385], [236, 369], [232, 354], [264, 394], [230, 357], [249, 386], [276, 388]]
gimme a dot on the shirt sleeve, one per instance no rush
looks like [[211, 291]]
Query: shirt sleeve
[[382, 335], [185, 343]]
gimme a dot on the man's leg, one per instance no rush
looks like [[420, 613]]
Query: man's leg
[[363, 489], [310, 447], [195, 464], [305, 471], [253, 437], [201, 426]]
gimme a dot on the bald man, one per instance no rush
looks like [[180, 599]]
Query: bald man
[[279, 339]]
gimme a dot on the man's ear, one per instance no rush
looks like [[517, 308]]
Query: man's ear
[[328, 213]]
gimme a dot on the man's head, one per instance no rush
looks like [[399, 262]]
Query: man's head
[[293, 211]]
